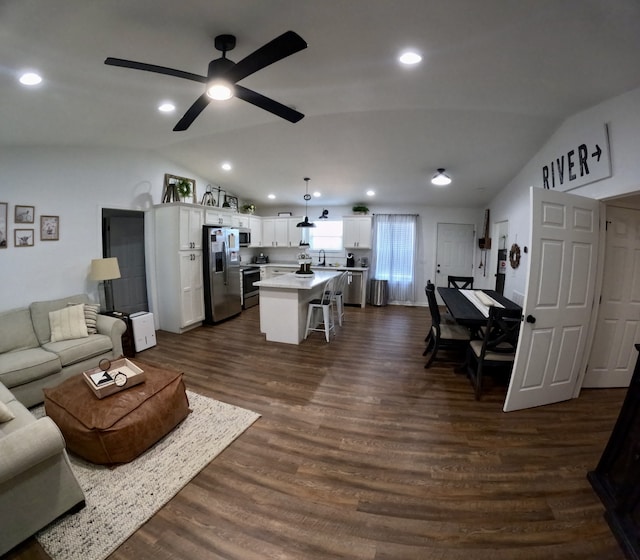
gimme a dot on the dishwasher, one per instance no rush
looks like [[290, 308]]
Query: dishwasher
[[353, 289]]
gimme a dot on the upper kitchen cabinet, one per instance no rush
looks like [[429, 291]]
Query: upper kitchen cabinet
[[255, 225], [275, 232], [356, 232], [190, 220]]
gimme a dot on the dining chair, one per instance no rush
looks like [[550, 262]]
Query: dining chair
[[324, 305], [442, 335], [497, 350], [460, 282]]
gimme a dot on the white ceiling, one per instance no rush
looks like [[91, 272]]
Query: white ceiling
[[498, 77]]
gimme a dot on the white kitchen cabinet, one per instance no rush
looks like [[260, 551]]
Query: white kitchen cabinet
[[255, 225], [191, 288], [190, 222], [178, 252], [294, 232], [240, 220], [275, 232], [356, 232], [219, 217]]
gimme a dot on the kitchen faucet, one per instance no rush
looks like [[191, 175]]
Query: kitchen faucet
[[324, 258]]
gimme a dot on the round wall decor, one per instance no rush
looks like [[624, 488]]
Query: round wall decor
[[514, 256]]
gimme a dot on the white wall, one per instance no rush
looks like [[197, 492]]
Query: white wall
[[74, 184], [622, 114]]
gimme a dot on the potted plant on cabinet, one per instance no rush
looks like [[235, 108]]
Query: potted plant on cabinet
[[360, 209]]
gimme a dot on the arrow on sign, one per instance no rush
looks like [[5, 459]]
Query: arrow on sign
[[597, 153]]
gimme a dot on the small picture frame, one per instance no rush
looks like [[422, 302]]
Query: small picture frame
[[23, 237], [49, 228], [24, 214], [3, 225], [285, 214], [230, 202]]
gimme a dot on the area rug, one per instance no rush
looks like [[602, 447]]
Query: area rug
[[122, 499]]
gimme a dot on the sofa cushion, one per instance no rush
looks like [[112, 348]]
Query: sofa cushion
[[24, 366], [40, 314], [91, 317], [79, 349], [5, 413], [16, 331], [68, 323]]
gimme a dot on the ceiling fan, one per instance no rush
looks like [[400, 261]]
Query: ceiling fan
[[223, 75]]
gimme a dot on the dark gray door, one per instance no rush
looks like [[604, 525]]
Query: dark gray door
[[123, 237]]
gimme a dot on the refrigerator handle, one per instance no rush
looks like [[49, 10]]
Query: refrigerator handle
[[224, 263]]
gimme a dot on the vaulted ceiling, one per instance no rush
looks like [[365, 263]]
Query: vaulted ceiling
[[497, 79]]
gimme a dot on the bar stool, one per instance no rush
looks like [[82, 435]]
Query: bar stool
[[338, 295], [325, 306]]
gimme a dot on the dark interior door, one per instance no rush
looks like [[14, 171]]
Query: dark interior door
[[123, 237]]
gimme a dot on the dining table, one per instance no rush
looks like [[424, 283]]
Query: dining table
[[470, 308]]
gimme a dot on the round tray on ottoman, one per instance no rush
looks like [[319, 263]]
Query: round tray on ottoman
[[117, 428]]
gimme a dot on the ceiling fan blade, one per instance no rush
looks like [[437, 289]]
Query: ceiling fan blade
[[267, 104], [281, 47], [192, 113], [153, 68]]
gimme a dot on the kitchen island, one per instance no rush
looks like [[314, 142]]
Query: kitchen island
[[284, 302]]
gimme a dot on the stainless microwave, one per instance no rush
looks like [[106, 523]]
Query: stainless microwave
[[245, 237]]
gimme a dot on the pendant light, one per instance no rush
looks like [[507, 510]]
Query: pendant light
[[307, 197]]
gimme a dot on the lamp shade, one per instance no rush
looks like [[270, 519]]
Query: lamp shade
[[105, 269]]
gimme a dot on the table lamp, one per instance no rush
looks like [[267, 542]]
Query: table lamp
[[105, 270]]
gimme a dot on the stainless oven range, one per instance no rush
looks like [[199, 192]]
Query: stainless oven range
[[250, 293]]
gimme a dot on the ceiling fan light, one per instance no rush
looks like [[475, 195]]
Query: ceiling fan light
[[220, 91], [441, 179]]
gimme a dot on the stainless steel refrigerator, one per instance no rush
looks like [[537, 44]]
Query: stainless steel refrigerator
[[221, 252]]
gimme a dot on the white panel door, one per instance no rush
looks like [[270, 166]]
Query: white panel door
[[454, 253], [559, 298], [613, 355]]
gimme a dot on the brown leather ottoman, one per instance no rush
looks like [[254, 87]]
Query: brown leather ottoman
[[118, 428]]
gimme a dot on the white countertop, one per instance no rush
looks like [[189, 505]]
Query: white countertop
[[314, 267], [293, 281]]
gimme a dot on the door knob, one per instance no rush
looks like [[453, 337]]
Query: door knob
[[531, 319]]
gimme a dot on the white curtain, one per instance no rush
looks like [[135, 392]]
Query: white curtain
[[394, 254]]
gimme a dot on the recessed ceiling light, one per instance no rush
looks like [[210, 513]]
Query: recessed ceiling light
[[371, 193], [30, 79], [317, 194], [271, 196], [166, 107], [410, 58], [226, 166]]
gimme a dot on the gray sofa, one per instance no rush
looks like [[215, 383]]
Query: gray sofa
[[37, 484], [30, 361]]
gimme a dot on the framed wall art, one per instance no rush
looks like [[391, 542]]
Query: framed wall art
[[230, 202], [179, 189], [24, 214], [23, 237], [3, 225], [49, 228]]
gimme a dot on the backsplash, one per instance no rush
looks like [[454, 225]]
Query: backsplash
[[284, 255]]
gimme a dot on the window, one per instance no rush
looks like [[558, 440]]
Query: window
[[394, 254], [326, 235]]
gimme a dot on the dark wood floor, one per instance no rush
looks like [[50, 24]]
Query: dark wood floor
[[361, 453]]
